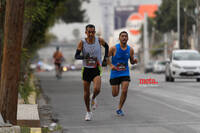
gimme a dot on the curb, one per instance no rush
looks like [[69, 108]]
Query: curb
[[34, 122], [32, 98], [14, 129], [36, 130]]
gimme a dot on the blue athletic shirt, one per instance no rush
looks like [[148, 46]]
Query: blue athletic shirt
[[121, 56]]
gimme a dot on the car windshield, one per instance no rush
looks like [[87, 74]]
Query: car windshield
[[186, 56], [150, 63], [162, 62]]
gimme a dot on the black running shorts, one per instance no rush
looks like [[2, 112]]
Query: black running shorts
[[118, 80], [58, 64], [88, 74]]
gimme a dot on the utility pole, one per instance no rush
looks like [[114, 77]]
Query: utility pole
[[146, 40], [106, 6], [13, 29], [197, 25], [194, 37], [165, 46], [178, 22]]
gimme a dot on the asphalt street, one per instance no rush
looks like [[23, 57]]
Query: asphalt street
[[161, 108]]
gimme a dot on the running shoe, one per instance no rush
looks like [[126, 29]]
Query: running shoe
[[88, 116], [93, 102], [120, 112]]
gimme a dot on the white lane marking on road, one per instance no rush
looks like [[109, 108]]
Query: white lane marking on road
[[195, 127], [136, 124], [127, 130], [171, 106], [192, 100]]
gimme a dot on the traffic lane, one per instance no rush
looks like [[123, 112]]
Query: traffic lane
[[179, 100], [183, 93], [142, 114], [64, 95], [186, 86]]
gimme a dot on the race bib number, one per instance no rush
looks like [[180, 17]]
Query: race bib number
[[91, 62], [121, 67]]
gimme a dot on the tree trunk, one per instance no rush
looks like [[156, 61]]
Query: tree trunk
[[2, 12], [185, 42], [0, 57], [13, 30], [181, 46]]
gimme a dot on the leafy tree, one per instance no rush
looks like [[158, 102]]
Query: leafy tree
[[39, 16], [166, 19], [11, 60], [42, 14], [73, 12]]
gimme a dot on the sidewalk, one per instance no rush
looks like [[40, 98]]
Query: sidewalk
[[27, 115]]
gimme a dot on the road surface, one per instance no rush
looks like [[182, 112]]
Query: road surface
[[161, 108]]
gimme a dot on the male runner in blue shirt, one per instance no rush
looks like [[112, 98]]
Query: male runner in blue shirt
[[120, 53]]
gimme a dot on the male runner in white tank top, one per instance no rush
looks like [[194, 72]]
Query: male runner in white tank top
[[91, 72]]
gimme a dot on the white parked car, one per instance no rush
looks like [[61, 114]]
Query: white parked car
[[159, 67], [149, 67], [183, 64]]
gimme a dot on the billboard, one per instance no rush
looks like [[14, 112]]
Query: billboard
[[131, 19], [121, 15]]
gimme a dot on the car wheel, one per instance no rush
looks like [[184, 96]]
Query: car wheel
[[170, 77], [198, 80], [166, 78]]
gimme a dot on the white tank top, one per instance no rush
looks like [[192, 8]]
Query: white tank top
[[94, 53]]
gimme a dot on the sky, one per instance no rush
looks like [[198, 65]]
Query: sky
[[94, 12]]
